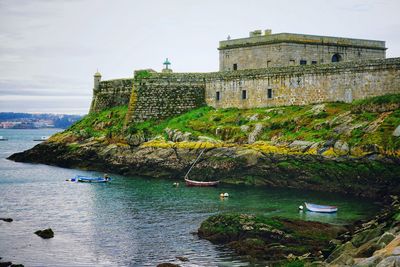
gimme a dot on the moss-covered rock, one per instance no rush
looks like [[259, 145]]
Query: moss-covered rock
[[268, 238]]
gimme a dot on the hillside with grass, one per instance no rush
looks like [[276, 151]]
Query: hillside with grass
[[338, 147], [332, 129]]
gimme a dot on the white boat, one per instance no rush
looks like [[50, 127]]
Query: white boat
[[43, 138], [321, 208], [2, 138]]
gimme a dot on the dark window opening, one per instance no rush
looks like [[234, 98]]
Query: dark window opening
[[218, 96], [303, 62], [314, 62], [269, 93], [269, 63], [336, 58], [244, 94], [235, 66]]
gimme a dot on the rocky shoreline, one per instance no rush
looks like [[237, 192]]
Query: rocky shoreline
[[372, 242], [364, 177]]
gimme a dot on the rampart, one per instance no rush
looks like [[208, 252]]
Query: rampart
[[301, 85], [162, 95], [111, 93]]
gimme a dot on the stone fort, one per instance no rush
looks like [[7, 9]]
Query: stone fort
[[263, 70]]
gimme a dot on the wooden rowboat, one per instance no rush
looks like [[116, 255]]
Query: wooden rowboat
[[198, 183], [321, 208]]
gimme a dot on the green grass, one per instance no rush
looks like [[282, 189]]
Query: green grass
[[285, 123], [107, 123], [385, 99]]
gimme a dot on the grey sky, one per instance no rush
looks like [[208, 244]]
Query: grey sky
[[50, 49]]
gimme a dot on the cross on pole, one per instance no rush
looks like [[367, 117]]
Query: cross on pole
[[166, 63]]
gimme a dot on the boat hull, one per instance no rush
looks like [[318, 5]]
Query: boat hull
[[200, 184], [84, 179], [321, 208]]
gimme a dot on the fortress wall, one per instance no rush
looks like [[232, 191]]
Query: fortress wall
[[290, 54], [163, 95], [301, 85], [111, 93]]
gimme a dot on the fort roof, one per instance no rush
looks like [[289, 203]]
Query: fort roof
[[257, 38]]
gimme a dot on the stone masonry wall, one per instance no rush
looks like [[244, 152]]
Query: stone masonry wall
[[111, 93], [301, 85], [163, 95], [288, 49], [287, 54]]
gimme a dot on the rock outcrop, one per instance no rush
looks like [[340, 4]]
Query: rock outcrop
[[272, 239], [235, 165], [374, 242]]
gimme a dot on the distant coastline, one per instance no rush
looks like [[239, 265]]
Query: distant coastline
[[11, 120]]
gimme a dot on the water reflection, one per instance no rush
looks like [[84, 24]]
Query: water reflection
[[131, 221], [317, 216]]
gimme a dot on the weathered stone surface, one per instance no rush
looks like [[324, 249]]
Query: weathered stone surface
[[365, 236], [346, 248], [255, 133], [300, 145], [368, 262], [288, 49], [318, 84], [317, 109], [389, 261], [386, 238], [341, 147], [111, 93], [396, 132]]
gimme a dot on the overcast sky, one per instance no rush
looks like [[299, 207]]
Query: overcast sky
[[50, 49]]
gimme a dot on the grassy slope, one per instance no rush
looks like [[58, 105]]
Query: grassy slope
[[284, 124]]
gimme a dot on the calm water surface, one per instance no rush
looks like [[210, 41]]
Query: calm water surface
[[131, 221]]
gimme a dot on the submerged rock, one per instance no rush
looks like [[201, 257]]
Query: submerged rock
[[46, 233], [182, 258], [167, 264]]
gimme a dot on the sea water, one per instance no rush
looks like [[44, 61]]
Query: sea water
[[131, 221]]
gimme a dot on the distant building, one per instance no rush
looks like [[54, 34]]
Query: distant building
[[289, 49]]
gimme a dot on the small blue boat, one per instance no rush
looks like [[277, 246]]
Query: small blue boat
[[86, 179], [321, 208]]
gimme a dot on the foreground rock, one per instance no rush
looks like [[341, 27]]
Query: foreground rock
[[256, 165], [46, 233], [9, 264], [272, 239], [375, 242]]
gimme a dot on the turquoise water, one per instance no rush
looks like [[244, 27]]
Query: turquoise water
[[131, 221]]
